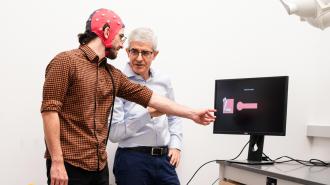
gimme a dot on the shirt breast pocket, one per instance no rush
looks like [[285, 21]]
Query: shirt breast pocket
[[105, 88], [160, 91]]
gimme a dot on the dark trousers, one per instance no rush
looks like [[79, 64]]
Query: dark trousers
[[78, 176], [137, 168]]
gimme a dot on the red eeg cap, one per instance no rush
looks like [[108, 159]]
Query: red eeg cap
[[101, 17]]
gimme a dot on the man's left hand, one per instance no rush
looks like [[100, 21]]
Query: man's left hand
[[174, 155]]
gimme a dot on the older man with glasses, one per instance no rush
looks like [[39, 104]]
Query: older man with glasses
[[149, 140]]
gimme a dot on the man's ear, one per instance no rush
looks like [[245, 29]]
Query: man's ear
[[155, 53], [127, 51], [106, 32]]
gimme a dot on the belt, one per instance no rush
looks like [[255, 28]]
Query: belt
[[154, 151]]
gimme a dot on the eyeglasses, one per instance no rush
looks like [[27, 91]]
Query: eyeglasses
[[122, 38], [145, 54]]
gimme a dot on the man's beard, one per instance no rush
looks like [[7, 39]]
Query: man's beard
[[110, 53]]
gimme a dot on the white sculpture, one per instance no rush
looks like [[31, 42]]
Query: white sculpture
[[315, 12]]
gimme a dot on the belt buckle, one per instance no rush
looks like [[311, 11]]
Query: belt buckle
[[157, 151]]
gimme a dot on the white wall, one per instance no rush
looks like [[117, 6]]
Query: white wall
[[199, 41]]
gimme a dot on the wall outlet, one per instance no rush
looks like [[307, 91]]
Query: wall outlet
[[271, 181]]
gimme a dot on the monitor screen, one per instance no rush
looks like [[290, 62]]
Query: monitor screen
[[254, 106]]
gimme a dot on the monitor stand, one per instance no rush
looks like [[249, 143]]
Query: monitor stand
[[256, 146], [247, 162]]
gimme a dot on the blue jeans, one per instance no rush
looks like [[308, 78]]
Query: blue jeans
[[137, 168]]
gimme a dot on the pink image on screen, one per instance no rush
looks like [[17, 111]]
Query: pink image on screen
[[241, 106], [228, 106]]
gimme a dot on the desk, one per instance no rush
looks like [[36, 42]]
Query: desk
[[284, 174]]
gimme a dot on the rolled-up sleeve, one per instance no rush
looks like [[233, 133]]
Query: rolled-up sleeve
[[56, 83]]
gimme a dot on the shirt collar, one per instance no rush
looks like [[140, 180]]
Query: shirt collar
[[90, 54], [130, 73]]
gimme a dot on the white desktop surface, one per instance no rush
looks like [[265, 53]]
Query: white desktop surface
[[292, 172]]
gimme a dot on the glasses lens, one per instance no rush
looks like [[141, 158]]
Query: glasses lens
[[146, 54], [135, 52], [123, 39]]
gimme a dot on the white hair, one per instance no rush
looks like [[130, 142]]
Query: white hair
[[143, 35]]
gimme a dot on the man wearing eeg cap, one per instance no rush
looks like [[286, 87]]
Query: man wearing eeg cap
[[101, 23], [78, 95]]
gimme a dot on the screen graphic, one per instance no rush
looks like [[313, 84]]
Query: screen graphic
[[240, 106], [228, 106]]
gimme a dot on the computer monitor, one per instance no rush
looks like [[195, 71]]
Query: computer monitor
[[251, 106]]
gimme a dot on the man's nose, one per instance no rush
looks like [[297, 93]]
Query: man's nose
[[139, 57]]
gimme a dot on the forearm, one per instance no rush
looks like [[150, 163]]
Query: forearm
[[169, 107], [52, 135], [203, 116]]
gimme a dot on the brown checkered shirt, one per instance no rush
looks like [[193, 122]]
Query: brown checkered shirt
[[79, 88]]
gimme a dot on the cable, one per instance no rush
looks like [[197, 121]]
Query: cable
[[303, 162], [216, 181], [215, 161], [241, 151], [310, 162], [318, 162], [267, 158], [113, 102], [199, 169]]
